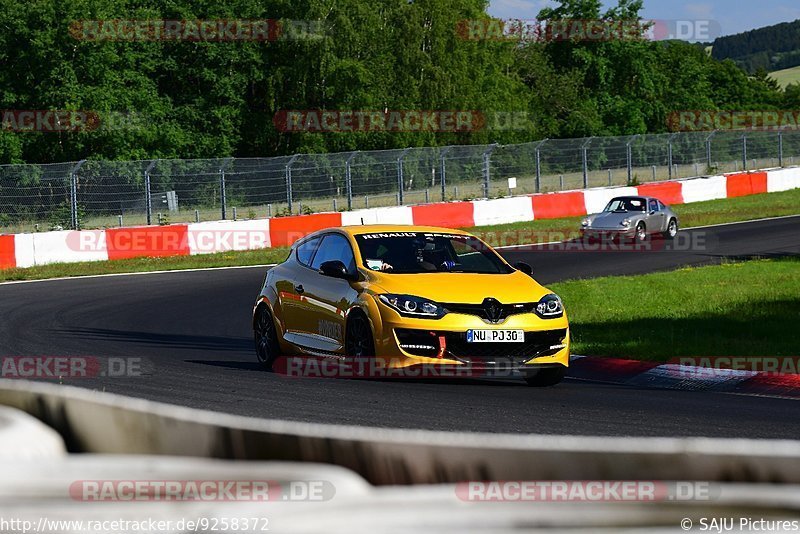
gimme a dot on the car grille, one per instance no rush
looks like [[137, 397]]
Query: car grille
[[426, 343], [505, 310]]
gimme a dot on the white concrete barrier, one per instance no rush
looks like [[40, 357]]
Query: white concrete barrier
[[783, 179], [105, 423], [87, 491], [702, 189], [224, 236], [67, 246], [388, 215], [24, 437], [24, 251], [596, 199], [502, 211]]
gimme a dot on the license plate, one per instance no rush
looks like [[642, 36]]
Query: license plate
[[495, 336]]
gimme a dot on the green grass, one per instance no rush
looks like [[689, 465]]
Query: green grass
[[734, 309], [697, 214], [786, 77]]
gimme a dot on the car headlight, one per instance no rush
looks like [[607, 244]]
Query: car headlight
[[550, 307], [410, 306], [626, 223], [586, 222]]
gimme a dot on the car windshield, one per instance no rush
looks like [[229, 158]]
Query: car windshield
[[424, 252], [625, 204]]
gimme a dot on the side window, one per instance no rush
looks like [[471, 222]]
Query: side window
[[305, 252], [653, 205], [335, 247], [661, 206]]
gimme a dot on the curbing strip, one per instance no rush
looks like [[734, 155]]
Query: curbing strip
[[683, 377]]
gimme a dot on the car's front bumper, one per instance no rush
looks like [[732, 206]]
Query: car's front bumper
[[608, 233], [399, 341]]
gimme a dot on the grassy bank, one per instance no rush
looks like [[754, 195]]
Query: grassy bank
[[697, 214], [735, 309]]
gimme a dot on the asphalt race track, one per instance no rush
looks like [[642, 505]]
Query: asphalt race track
[[192, 331]]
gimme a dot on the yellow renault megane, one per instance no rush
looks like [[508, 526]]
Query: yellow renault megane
[[404, 296]]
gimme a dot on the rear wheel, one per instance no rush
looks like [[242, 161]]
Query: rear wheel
[[672, 229], [358, 338], [547, 377], [266, 338]]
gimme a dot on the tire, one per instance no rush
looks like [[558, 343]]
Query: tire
[[641, 233], [266, 338], [672, 229], [547, 377], [358, 341]]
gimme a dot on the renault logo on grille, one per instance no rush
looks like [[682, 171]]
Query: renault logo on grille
[[493, 309]]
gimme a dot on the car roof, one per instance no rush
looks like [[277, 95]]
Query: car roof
[[634, 197], [383, 228], [390, 228]]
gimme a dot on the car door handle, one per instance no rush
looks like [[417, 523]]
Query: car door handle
[[299, 288]]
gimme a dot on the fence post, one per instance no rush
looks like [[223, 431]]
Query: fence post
[[222, 194], [443, 170], [487, 154], [348, 178], [289, 180], [669, 153], [539, 164], [708, 147], [73, 194], [629, 155], [744, 152], [585, 161], [400, 184], [148, 194], [780, 149]]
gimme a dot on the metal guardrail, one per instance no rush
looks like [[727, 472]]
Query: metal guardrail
[[100, 194]]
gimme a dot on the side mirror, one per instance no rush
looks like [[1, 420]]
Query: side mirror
[[524, 267], [335, 269]]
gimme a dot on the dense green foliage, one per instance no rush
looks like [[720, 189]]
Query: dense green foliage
[[772, 48], [216, 99]]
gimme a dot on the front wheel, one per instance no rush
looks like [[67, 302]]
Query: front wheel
[[547, 377], [266, 338], [672, 229], [358, 338], [641, 233]]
